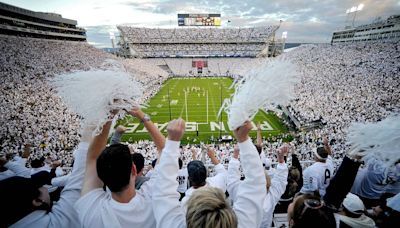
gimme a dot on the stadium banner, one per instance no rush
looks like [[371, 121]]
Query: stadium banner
[[199, 63], [199, 19]]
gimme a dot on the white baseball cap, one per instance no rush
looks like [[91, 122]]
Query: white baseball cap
[[353, 204]]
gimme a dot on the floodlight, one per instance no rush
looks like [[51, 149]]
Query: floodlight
[[348, 11], [360, 7], [284, 35], [353, 9]]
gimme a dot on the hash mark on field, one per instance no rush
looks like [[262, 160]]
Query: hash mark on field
[[212, 100]]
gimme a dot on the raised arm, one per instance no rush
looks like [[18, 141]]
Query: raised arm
[[63, 213], [342, 182], [211, 155], [327, 146], [97, 145], [219, 180], [155, 134], [259, 138], [166, 206], [17, 167], [233, 179], [279, 181], [194, 153], [248, 205]]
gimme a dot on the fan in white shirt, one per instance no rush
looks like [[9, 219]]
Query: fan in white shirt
[[28, 202], [198, 176], [182, 179], [317, 176], [112, 166], [207, 207], [275, 187]]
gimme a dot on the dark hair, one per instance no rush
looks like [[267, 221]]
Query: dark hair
[[138, 160], [37, 163], [197, 173], [17, 193], [322, 152], [291, 188], [154, 162], [294, 173], [306, 215], [114, 167], [180, 163], [259, 148]]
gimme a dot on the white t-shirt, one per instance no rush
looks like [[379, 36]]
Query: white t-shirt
[[317, 177], [217, 181], [98, 209], [182, 179]]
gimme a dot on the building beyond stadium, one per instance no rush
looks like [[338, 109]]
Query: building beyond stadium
[[378, 30], [22, 22]]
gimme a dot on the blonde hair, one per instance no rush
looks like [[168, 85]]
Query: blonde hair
[[208, 208]]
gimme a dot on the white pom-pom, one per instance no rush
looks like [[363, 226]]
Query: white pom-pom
[[93, 94], [380, 140], [271, 82]]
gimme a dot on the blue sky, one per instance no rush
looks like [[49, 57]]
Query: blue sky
[[305, 21]]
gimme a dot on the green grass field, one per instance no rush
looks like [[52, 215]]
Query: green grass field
[[197, 101]]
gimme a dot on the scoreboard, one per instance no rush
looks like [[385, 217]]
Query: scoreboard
[[199, 19]]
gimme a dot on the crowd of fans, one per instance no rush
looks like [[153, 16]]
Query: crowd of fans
[[196, 35], [215, 42], [345, 83], [340, 84], [212, 50], [32, 115]]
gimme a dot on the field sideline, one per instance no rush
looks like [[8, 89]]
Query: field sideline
[[197, 101]]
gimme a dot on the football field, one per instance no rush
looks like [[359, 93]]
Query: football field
[[197, 101]]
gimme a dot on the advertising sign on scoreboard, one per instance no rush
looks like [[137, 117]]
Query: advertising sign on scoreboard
[[199, 19]]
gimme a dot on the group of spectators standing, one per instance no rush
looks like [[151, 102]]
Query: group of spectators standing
[[238, 184]]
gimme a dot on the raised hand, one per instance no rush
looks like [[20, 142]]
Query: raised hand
[[176, 129], [136, 112], [242, 132], [282, 152], [236, 151]]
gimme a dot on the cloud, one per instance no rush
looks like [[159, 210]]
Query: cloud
[[99, 36], [305, 20]]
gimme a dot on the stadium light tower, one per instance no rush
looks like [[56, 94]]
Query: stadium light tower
[[112, 38], [347, 17], [355, 9], [284, 37]]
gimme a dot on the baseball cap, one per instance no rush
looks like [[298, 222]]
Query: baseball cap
[[394, 202], [353, 204], [197, 173]]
